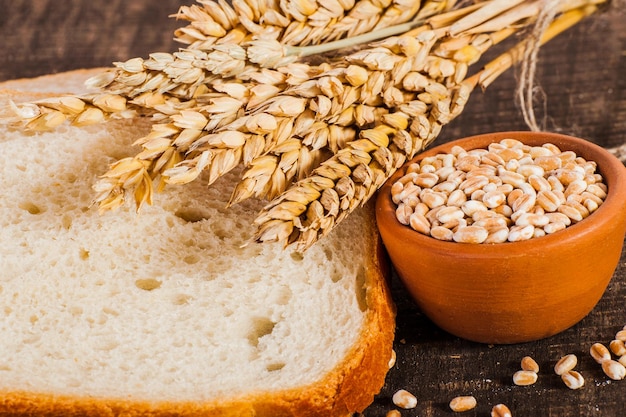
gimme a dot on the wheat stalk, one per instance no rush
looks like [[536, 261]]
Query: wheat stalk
[[248, 39], [234, 43], [166, 83], [294, 22], [313, 206], [274, 150], [270, 134], [242, 43], [343, 105], [338, 129]]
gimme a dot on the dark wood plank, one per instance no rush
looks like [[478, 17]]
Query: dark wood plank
[[582, 75], [42, 37]]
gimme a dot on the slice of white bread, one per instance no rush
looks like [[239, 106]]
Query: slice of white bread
[[172, 311]]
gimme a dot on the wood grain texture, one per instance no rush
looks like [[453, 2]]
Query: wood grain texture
[[582, 76], [40, 37]]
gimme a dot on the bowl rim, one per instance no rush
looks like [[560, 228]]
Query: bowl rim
[[611, 168]]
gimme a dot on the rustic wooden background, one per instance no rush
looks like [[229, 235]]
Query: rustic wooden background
[[582, 75]]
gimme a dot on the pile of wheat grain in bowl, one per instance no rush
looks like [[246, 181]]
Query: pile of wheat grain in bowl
[[508, 191]]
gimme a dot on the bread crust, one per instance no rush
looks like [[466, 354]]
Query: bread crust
[[61, 83], [348, 388]]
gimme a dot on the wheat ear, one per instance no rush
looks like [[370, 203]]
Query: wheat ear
[[269, 133], [312, 207], [234, 43], [266, 140], [294, 22], [356, 92]]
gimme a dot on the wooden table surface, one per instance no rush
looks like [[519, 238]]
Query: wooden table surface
[[582, 75]]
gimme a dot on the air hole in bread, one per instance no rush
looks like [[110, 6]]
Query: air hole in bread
[[191, 259], [106, 345], [361, 291], [272, 367], [217, 267], [148, 284], [297, 256], [225, 285], [110, 311], [221, 231], [84, 254], [254, 279], [190, 215], [31, 207], [66, 221], [284, 295], [336, 275], [182, 299], [29, 339], [94, 322], [76, 311], [261, 326], [69, 177]]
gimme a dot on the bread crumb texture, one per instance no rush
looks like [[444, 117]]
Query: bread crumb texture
[[168, 304]]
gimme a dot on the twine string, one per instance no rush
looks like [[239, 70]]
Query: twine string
[[527, 90]]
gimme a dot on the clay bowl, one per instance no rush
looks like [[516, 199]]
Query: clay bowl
[[512, 292]]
